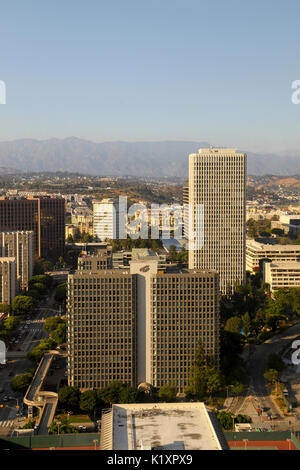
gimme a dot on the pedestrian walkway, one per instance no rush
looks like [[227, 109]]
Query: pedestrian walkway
[[6, 424]]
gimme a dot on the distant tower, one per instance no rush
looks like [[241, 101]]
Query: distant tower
[[106, 219], [217, 180]]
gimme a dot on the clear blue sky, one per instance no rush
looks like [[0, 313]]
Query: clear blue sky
[[213, 70]]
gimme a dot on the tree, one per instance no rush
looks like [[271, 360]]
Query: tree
[[59, 334], [214, 381], [271, 375], [37, 353], [52, 323], [247, 324], [204, 378], [42, 278], [4, 308], [63, 428], [259, 320], [237, 389], [167, 393], [233, 325], [40, 287], [61, 293], [90, 402], [172, 254], [225, 419], [69, 398], [21, 382], [22, 304]]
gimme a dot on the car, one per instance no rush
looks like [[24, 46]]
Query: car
[[5, 398]]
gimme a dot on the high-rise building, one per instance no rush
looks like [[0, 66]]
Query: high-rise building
[[19, 245], [217, 181], [7, 280], [140, 324], [106, 219], [44, 215], [101, 328]]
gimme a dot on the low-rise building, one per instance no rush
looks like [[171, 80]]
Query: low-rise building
[[280, 275], [257, 252], [161, 426]]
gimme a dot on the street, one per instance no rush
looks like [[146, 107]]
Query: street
[[256, 394], [28, 336]]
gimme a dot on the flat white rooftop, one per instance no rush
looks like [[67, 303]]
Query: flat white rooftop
[[175, 426], [271, 247]]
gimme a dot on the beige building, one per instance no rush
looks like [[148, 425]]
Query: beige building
[[95, 262], [8, 281], [139, 325], [217, 180], [257, 252], [101, 328], [282, 274], [19, 245]]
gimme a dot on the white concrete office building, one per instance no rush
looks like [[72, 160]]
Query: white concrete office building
[[282, 274], [106, 219], [217, 182], [257, 252]]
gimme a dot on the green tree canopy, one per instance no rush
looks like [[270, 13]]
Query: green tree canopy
[[69, 398], [22, 304], [271, 375], [167, 393], [21, 382], [233, 325]]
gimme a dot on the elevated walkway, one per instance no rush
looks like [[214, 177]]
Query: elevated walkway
[[45, 401]]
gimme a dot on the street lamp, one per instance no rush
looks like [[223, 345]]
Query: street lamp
[[95, 441], [245, 440], [58, 424]]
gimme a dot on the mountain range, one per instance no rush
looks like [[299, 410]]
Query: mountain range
[[167, 158]]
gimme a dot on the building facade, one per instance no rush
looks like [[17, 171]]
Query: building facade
[[282, 274], [101, 328], [140, 325], [19, 245], [257, 252], [8, 280], [217, 181], [45, 216], [106, 219]]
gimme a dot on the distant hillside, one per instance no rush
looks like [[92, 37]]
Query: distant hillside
[[168, 158]]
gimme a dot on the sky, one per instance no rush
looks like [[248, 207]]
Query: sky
[[147, 70]]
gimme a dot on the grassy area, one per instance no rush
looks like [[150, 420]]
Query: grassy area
[[75, 419]]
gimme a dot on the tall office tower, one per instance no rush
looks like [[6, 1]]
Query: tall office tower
[[44, 215], [188, 313], [185, 197], [175, 310], [19, 245], [217, 181], [101, 328], [106, 219], [140, 324], [7, 280]]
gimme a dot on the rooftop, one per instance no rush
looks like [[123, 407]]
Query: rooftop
[[175, 426], [271, 247]]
